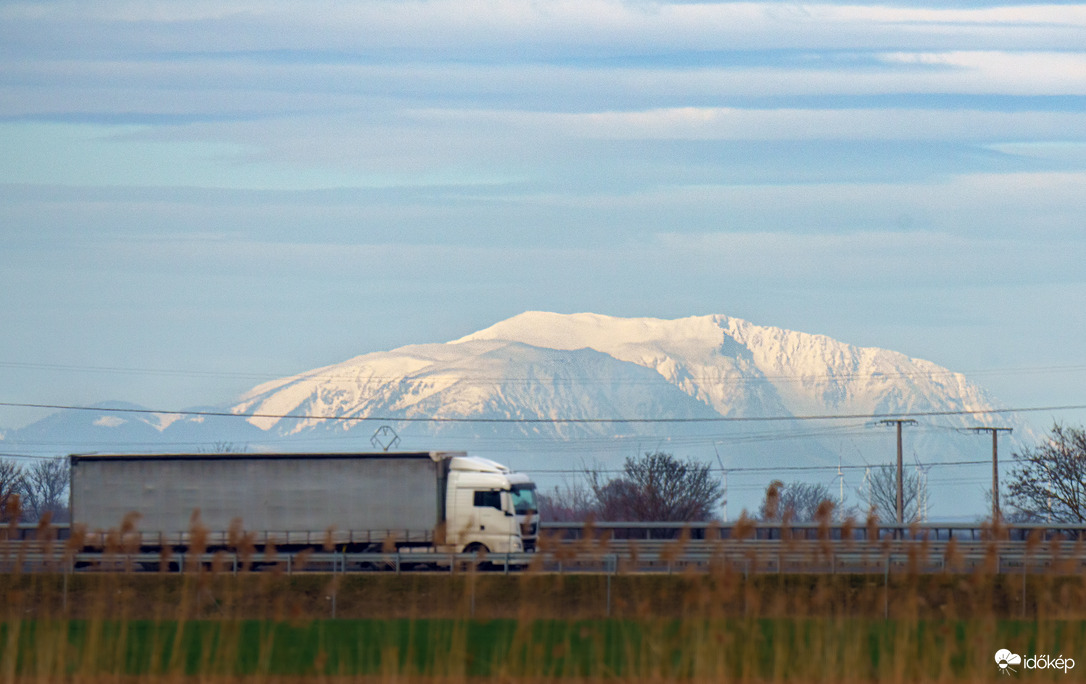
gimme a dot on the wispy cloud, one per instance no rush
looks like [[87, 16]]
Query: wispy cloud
[[337, 162], [568, 27]]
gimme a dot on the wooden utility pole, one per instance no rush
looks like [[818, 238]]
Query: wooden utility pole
[[995, 466], [900, 466]]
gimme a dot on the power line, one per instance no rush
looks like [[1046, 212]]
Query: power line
[[578, 471], [751, 469], [566, 421]]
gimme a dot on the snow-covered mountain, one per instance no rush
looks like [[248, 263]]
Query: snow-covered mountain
[[478, 380], [725, 387], [545, 365], [549, 393], [742, 369]]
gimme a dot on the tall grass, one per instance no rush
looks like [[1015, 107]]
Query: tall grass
[[721, 624]]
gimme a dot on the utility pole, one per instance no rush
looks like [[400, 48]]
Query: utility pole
[[995, 465], [725, 496], [867, 488], [900, 466], [725, 471], [922, 492], [841, 482]]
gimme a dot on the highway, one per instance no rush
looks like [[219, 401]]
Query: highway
[[613, 548]]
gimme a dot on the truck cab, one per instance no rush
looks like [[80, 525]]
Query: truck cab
[[489, 507]]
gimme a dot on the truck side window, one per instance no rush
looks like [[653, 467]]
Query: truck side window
[[488, 500]]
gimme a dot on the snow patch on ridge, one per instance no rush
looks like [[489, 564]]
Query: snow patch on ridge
[[743, 369]]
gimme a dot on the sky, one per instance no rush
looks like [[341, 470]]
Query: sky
[[196, 197]]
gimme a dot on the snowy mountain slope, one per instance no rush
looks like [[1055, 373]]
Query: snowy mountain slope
[[487, 379], [545, 365], [743, 385], [742, 369], [540, 365]]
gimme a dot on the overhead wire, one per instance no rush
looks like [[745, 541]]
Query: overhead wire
[[542, 420], [763, 469], [602, 443]]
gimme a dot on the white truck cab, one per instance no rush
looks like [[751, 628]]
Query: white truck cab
[[489, 507]]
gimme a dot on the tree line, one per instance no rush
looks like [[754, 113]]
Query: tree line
[[29, 494], [1046, 484]]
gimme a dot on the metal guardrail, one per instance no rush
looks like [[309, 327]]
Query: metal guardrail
[[234, 562], [748, 559], [613, 547], [857, 530]]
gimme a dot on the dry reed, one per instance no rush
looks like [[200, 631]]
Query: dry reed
[[740, 617]]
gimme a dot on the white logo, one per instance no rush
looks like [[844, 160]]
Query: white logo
[[1005, 659]]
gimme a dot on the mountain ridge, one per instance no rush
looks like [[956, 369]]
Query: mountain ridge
[[649, 374], [767, 355], [547, 392]]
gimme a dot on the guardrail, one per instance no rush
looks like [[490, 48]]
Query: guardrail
[[745, 558], [289, 562], [857, 530], [611, 547]]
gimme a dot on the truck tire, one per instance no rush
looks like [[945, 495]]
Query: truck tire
[[481, 550]]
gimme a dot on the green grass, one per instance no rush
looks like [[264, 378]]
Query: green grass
[[206, 626], [751, 650]]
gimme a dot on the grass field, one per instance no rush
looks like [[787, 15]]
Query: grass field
[[260, 627], [744, 650], [207, 625]]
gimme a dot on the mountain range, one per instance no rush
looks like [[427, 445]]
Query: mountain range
[[551, 393]]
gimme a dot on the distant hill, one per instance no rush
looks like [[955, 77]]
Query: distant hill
[[756, 400]]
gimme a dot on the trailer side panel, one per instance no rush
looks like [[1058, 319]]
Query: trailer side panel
[[271, 493]]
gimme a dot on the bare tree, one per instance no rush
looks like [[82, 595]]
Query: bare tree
[[1048, 482], [880, 494], [657, 487], [568, 503], [223, 447], [799, 501], [46, 485], [12, 490]]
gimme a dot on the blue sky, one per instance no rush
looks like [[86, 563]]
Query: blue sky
[[199, 196]]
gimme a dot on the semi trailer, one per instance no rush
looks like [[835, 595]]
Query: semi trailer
[[447, 502]]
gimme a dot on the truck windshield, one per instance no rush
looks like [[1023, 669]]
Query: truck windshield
[[524, 499]]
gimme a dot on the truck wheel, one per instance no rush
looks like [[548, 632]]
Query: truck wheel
[[479, 550]]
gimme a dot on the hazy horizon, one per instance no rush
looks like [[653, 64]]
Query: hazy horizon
[[196, 197]]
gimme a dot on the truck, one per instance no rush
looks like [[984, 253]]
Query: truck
[[447, 502]]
